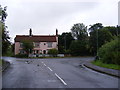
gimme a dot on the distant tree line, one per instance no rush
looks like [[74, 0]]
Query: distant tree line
[[82, 41]]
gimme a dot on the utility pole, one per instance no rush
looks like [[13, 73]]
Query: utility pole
[[65, 41], [97, 57], [97, 41]]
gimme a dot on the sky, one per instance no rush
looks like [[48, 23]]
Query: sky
[[44, 16]]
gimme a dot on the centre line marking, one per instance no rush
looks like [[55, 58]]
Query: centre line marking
[[60, 79], [50, 69], [45, 64]]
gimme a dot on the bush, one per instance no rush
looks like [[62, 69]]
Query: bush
[[110, 52], [78, 48], [53, 52], [21, 55]]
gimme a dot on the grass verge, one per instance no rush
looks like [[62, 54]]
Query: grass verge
[[110, 66]]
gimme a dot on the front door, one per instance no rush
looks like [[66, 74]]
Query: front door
[[44, 51]]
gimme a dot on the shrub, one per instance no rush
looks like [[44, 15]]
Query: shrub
[[110, 52], [21, 55], [78, 48], [53, 52]]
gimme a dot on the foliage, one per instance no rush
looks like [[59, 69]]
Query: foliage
[[79, 31], [98, 38], [110, 52], [27, 46], [110, 66], [113, 30], [95, 27], [78, 48], [53, 52], [64, 41], [21, 55], [3, 14], [5, 37]]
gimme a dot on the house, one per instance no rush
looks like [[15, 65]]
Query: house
[[42, 43]]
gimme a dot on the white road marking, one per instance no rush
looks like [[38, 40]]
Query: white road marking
[[49, 68], [42, 62], [45, 64], [60, 79]]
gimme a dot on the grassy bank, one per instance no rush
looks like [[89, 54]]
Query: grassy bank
[[110, 66]]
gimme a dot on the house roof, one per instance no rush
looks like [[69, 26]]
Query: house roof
[[36, 38]]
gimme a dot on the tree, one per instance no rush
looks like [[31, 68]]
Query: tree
[[78, 48], [110, 52], [113, 30], [97, 40], [64, 41], [27, 46], [5, 37], [79, 31], [95, 27], [53, 52], [3, 14]]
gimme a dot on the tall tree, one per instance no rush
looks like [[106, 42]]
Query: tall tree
[[78, 48], [4, 32], [79, 31], [3, 14], [64, 41], [113, 30], [95, 27], [97, 40]]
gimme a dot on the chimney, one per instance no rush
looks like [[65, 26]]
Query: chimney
[[30, 32], [56, 32]]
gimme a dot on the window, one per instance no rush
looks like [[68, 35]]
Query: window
[[49, 44], [21, 51], [21, 45], [37, 44]]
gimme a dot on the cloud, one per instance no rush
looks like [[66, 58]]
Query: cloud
[[45, 16]]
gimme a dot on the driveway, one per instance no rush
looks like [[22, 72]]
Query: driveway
[[54, 73]]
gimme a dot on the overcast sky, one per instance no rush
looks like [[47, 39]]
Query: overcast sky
[[47, 15]]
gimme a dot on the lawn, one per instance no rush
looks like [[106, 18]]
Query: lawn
[[110, 66]]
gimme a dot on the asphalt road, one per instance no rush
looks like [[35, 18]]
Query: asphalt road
[[54, 73]]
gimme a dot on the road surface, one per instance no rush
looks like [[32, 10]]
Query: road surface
[[54, 73]]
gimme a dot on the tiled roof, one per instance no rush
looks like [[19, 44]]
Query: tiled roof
[[35, 38]]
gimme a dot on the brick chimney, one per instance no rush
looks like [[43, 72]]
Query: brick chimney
[[30, 32], [56, 32]]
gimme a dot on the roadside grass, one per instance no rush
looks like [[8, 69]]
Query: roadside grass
[[0, 62], [110, 66]]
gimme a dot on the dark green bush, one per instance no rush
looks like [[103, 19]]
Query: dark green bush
[[110, 52], [21, 55], [78, 48], [53, 52]]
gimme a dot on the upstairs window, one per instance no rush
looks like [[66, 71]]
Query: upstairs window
[[49, 44], [37, 44], [21, 45], [21, 51]]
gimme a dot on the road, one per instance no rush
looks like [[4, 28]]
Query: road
[[54, 73]]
